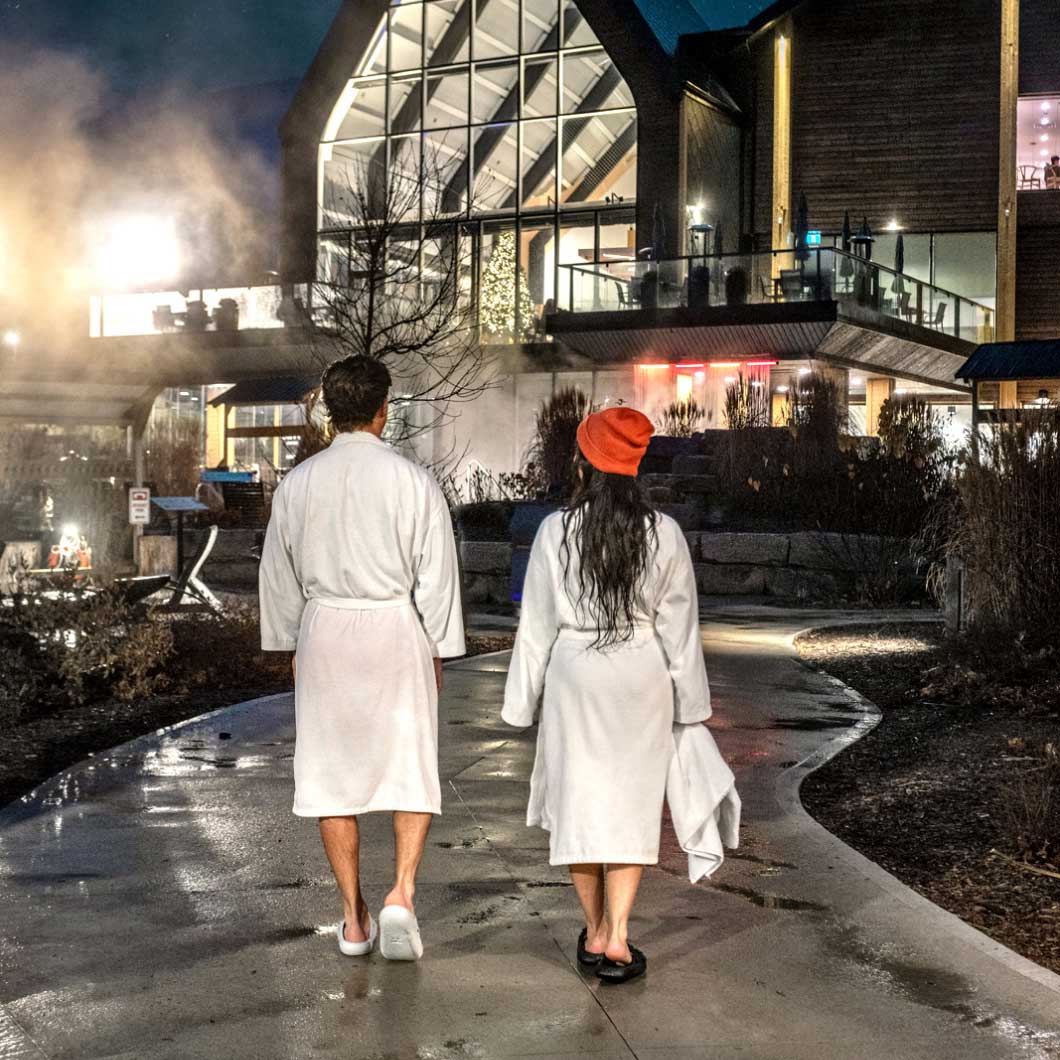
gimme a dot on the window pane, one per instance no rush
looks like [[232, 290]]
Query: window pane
[[406, 37], [539, 163], [540, 22], [405, 182], [496, 164], [367, 113], [374, 61], [540, 80], [966, 263], [445, 170], [589, 141], [496, 92], [590, 82], [496, 30], [333, 259], [447, 100], [576, 247], [537, 257], [448, 30], [353, 182], [405, 103], [502, 285], [576, 31]]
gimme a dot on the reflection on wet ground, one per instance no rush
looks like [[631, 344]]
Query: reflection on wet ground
[[161, 902]]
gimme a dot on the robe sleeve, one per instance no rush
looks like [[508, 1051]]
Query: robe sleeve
[[280, 593], [437, 589], [538, 629], [677, 624]]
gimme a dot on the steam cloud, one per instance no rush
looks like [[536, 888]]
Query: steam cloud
[[70, 161]]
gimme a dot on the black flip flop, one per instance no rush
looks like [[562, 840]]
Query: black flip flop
[[585, 958], [612, 972]]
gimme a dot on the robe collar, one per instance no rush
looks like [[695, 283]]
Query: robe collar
[[356, 437]]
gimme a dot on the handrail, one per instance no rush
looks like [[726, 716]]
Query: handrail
[[706, 259]]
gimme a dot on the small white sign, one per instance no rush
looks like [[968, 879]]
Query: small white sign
[[139, 506]]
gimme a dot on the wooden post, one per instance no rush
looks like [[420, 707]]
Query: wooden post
[[1008, 397], [877, 391], [782, 46], [1007, 198]]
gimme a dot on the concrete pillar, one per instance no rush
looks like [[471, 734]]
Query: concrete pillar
[[1005, 323], [782, 47], [877, 391]]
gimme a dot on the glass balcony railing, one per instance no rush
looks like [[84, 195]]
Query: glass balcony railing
[[201, 310], [823, 274]]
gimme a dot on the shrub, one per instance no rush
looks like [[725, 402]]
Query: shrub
[[1006, 528], [747, 404], [555, 443]]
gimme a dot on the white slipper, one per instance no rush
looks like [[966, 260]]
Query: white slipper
[[399, 934], [358, 949]]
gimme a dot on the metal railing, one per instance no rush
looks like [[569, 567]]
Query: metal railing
[[823, 274]]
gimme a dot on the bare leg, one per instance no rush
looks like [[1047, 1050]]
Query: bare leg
[[342, 843], [588, 883], [410, 837], [622, 884]]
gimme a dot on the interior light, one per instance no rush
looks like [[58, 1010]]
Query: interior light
[[683, 364], [805, 371], [731, 379], [71, 530], [1044, 138], [856, 381], [1046, 105], [900, 390], [12, 338], [761, 364], [782, 389], [1044, 153]]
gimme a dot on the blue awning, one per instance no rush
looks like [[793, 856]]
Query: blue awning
[[1014, 360]]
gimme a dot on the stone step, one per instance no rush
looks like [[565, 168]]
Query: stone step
[[694, 484], [698, 464], [686, 516]]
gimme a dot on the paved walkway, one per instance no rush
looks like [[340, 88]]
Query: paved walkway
[[160, 901]]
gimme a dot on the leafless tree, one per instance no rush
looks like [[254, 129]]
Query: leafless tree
[[397, 284]]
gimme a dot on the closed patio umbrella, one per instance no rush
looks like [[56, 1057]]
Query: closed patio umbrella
[[846, 268], [802, 229]]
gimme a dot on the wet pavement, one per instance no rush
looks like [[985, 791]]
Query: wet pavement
[[160, 901]]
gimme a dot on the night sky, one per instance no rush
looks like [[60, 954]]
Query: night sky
[[208, 44]]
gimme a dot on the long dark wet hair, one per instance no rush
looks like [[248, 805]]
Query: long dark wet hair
[[614, 526]]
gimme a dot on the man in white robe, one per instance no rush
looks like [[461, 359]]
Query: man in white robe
[[359, 577]]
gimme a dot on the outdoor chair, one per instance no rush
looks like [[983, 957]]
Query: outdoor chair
[[1029, 178], [939, 320], [791, 285]]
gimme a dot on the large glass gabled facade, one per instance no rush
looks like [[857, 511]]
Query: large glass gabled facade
[[519, 127]]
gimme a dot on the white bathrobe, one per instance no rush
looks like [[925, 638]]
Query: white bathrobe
[[359, 575], [618, 725]]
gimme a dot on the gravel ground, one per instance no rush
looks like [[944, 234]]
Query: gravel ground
[[37, 748], [926, 794]]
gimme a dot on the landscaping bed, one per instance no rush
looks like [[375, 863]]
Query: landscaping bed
[[957, 791], [45, 741]]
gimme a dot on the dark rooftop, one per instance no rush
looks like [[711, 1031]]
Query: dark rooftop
[[1014, 360]]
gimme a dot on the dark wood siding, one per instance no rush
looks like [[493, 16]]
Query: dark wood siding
[[896, 111], [1039, 54], [713, 141], [1037, 261]]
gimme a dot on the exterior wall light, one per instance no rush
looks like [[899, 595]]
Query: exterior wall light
[[12, 338]]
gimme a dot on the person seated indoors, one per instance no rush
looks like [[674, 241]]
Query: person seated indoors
[[1052, 173]]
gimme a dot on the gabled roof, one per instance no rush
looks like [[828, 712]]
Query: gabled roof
[[670, 20], [279, 390], [1014, 360]]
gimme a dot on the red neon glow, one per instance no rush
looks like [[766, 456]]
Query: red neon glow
[[653, 366], [762, 364]]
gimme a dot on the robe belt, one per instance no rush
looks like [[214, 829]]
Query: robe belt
[[349, 603]]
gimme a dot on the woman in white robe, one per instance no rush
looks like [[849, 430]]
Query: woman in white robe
[[609, 646]]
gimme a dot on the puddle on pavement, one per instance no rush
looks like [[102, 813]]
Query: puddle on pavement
[[291, 934], [772, 901], [811, 724]]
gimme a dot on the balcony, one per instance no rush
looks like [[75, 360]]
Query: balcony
[[733, 281], [221, 309], [831, 306]]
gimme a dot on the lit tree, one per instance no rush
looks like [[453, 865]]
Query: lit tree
[[498, 298]]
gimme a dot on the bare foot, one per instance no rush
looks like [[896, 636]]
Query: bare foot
[[618, 952], [401, 897], [358, 925]]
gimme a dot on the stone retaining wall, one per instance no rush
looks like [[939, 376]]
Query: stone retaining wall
[[797, 565]]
